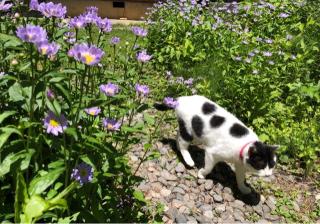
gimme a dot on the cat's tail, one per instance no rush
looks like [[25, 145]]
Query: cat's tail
[[162, 107]]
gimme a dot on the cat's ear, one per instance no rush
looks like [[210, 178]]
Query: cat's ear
[[274, 147]]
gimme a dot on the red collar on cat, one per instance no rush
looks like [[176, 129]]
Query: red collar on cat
[[242, 149]]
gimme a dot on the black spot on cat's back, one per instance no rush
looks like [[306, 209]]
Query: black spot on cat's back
[[238, 130], [197, 125], [216, 121], [183, 131], [208, 108]]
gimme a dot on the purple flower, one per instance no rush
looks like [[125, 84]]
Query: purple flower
[[50, 94], [170, 102], [251, 54], [77, 22], [115, 40], [52, 10], [5, 7], [31, 33], [169, 74], [269, 41], [283, 15], [89, 55], [142, 90], [34, 4], [104, 25], [49, 49], [69, 37], [92, 9], [180, 80], [189, 82], [54, 124], [139, 31], [238, 58], [83, 173], [109, 89], [111, 124], [94, 111], [2, 74], [267, 53], [143, 56]]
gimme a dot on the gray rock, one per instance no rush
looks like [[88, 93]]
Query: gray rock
[[227, 190], [296, 206], [163, 181], [227, 217], [208, 199], [217, 198], [271, 217], [258, 209], [191, 220], [205, 207], [179, 197], [237, 204], [208, 185], [263, 221], [180, 218], [178, 190], [271, 202], [208, 214], [180, 168], [228, 197], [201, 181], [184, 187], [203, 219], [168, 176], [220, 208], [184, 210], [266, 209], [238, 215], [218, 187], [176, 203], [172, 213]]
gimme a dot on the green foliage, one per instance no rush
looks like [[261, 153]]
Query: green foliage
[[258, 59]]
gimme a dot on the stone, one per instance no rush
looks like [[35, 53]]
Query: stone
[[134, 158], [271, 202], [184, 209], [220, 208], [168, 176], [172, 213], [206, 207], [208, 185], [201, 181], [227, 217], [180, 168], [180, 218], [227, 190], [184, 187], [228, 197], [266, 209], [218, 187], [208, 199], [237, 204], [217, 198], [165, 192], [176, 203], [191, 220], [208, 214], [263, 221], [152, 177], [296, 206], [317, 197], [203, 219], [271, 217], [258, 209], [262, 199], [178, 190], [238, 215]]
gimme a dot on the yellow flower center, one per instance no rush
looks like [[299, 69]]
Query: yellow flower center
[[109, 126], [91, 112], [44, 50], [30, 36], [88, 58], [54, 123]]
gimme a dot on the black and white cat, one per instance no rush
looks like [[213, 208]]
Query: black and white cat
[[224, 137]]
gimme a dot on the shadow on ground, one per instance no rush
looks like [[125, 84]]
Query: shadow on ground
[[221, 173]]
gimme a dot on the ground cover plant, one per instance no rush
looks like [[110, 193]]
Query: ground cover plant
[[259, 59], [70, 91]]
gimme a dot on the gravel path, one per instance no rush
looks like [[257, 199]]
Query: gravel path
[[187, 199]]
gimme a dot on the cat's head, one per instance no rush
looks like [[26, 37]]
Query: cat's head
[[262, 158]]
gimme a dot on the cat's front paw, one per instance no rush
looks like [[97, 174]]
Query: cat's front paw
[[201, 174], [245, 190]]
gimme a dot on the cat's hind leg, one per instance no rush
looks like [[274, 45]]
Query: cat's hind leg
[[210, 162], [183, 141]]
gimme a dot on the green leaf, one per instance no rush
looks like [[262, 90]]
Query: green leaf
[[139, 195], [10, 40], [6, 133], [72, 132], [15, 93], [35, 207], [40, 184], [21, 195], [14, 157], [69, 219], [6, 114]]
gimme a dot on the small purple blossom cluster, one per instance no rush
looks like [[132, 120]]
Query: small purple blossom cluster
[[38, 36], [83, 173], [5, 6], [49, 9], [90, 17]]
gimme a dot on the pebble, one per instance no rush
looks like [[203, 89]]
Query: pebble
[[238, 215], [208, 214], [271, 217], [201, 181], [266, 209], [191, 220], [220, 208], [228, 197], [208, 185], [180, 218], [317, 197], [178, 190], [176, 203], [165, 192], [180, 168], [217, 198], [227, 190], [296, 207], [203, 219], [258, 210], [168, 176], [271, 202], [206, 207]]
